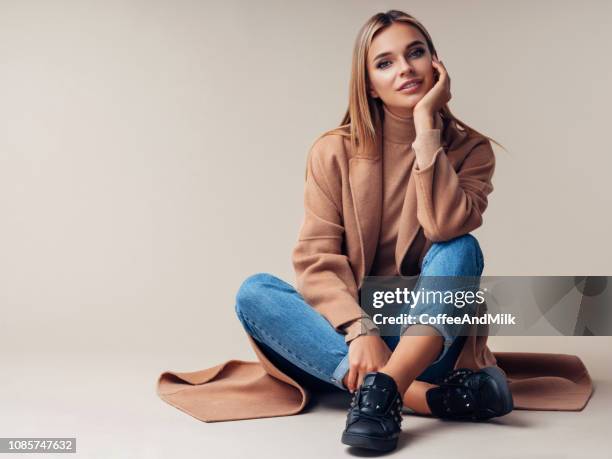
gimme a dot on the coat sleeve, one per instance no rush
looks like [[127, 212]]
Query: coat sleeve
[[323, 272], [451, 203]]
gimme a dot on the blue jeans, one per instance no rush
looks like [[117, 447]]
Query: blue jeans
[[305, 346]]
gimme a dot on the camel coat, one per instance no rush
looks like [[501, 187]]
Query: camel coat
[[335, 250]]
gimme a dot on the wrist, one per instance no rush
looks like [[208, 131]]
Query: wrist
[[362, 327], [423, 120], [423, 125], [359, 338]]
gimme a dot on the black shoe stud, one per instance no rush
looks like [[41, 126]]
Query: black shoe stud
[[471, 396]]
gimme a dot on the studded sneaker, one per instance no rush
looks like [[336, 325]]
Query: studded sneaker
[[471, 396], [374, 418]]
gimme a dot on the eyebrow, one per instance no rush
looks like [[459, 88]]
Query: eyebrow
[[410, 45]]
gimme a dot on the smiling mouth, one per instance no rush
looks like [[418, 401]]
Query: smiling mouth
[[411, 87]]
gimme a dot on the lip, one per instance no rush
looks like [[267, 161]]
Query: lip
[[412, 89]]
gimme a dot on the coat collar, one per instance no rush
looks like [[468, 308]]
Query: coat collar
[[365, 178]]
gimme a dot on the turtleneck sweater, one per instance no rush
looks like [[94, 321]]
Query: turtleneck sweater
[[400, 148], [398, 159]]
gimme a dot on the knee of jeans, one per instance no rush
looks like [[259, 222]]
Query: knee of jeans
[[462, 255], [250, 295]]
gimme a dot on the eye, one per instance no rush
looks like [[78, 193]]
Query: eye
[[417, 52], [414, 54]]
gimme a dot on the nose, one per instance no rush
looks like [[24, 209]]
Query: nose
[[405, 66]]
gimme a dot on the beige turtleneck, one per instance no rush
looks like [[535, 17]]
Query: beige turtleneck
[[398, 158]]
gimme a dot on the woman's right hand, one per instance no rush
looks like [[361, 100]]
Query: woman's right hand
[[366, 353]]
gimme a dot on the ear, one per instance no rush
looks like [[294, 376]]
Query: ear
[[373, 93]]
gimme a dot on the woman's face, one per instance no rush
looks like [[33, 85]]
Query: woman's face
[[397, 54]]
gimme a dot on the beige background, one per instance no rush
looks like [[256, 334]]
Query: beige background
[[152, 157]]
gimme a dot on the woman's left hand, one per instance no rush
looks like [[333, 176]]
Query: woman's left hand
[[436, 97]]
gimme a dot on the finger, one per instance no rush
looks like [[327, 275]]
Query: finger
[[438, 63], [352, 379], [439, 66], [345, 380], [441, 71], [362, 374], [363, 371], [444, 76]]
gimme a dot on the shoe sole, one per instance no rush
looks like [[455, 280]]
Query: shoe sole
[[503, 390], [362, 441]]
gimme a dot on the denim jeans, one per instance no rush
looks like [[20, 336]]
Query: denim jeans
[[304, 345]]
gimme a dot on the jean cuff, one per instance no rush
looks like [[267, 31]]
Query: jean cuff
[[448, 339], [448, 342], [340, 372]]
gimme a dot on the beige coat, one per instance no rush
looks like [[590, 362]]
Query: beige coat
[[335, 250]]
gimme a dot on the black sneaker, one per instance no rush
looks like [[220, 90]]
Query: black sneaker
[[375, 416], [471, 396]]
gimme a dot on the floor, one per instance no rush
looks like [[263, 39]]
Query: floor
[[108, 402]]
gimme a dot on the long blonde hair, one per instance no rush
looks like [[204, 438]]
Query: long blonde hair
[[363, 119]]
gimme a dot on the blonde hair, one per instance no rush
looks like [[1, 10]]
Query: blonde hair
[[363, 119]]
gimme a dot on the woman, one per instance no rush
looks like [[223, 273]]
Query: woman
[[395, 190]]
